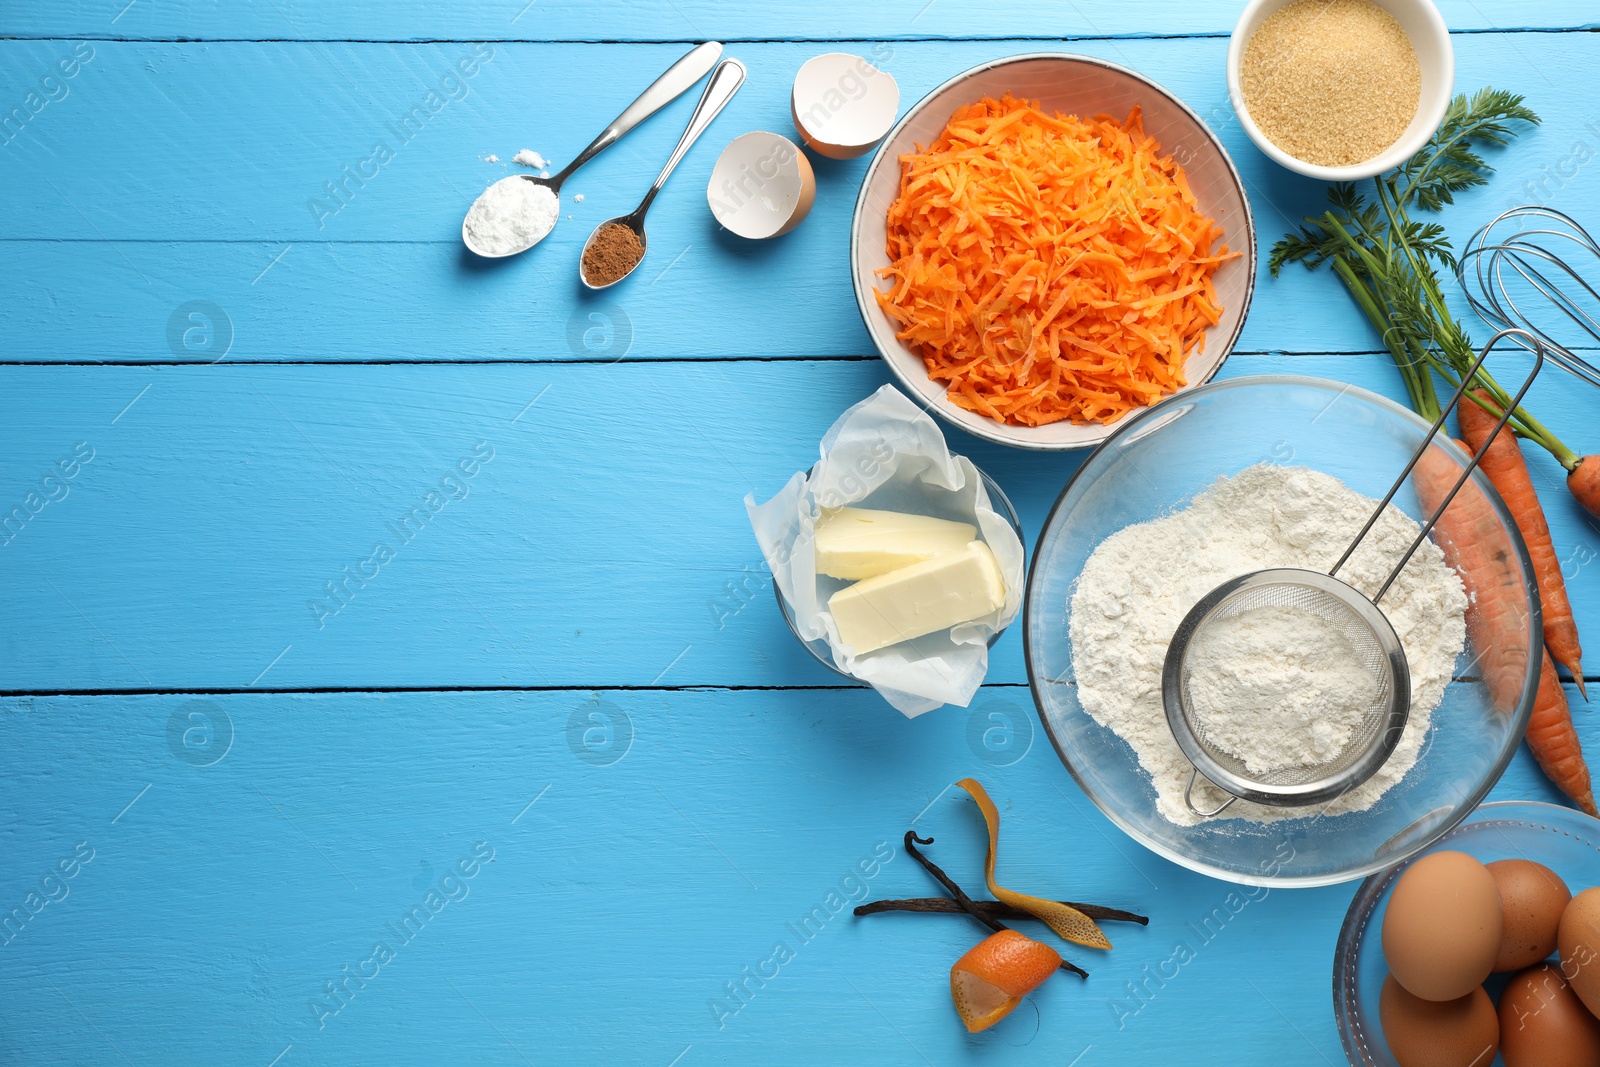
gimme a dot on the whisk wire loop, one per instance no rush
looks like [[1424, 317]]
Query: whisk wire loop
[[1551, 258]]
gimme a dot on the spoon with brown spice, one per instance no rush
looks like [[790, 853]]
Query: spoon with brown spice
[[617, 245]]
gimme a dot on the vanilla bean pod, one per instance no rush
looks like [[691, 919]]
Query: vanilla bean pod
[[994, 908], [967, 904]]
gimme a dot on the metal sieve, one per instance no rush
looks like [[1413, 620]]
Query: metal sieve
[[1346, 613]]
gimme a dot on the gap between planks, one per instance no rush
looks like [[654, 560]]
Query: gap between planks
[[897, 38], [8, 694], [422, 361]]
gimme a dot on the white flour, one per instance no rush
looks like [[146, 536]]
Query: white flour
[[512, 214], [1279, 687], [1139, 583], [529, 158]]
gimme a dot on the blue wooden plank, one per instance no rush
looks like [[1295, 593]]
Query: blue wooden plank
[[226, 888], [644, 858], [217, 150], [586, 20], [603, 544]]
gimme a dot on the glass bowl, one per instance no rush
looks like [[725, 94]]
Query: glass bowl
[[1566, 841], [1154, 464], [819, 648]]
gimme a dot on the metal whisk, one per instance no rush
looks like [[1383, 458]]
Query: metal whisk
[[1551, 259], [1369, 639]]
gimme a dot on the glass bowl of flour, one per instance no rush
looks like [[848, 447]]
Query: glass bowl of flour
[[1277, 471]]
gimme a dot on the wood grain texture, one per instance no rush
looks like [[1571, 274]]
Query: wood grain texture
[[604, 544], [667, 780], [218, 150], [631, 20], [218, 905]]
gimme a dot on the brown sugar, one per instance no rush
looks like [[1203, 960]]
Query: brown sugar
[[612, 252], [1331, 82]]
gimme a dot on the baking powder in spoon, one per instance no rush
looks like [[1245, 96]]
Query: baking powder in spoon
[[512, 214]]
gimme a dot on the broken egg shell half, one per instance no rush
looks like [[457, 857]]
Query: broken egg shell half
[[842, 105], [762, 186]]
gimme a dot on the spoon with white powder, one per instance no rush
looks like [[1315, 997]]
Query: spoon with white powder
[[518, 212]]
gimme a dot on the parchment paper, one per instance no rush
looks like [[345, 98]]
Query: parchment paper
[[887, 453]]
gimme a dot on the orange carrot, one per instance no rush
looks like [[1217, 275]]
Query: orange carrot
[[1554, 740], [1048, 267], [1497, 621], [1497, 625], [1508, 470], [1584, 482]]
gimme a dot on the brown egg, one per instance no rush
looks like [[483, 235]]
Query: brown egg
[[1532, 898], [1544, 1024], [1441, 933], [1433, 1033], [1578, 938]]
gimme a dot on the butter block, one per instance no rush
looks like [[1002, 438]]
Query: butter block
[[856, 543], [919, 599]]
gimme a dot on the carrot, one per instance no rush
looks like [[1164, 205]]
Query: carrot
[[1497, 624], [1584, 482], [1554, 740], [1508, 470], [1497, 621], [1049, 268]]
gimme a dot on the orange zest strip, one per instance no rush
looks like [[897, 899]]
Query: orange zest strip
[[1049, 268], [1069, 922], [989, 981]]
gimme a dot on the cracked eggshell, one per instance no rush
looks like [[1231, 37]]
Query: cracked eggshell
[[762, 186], [843, 105]]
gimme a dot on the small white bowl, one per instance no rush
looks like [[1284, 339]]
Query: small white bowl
[[1435, 55]]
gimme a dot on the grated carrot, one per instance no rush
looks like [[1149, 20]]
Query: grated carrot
[[1049, 268]]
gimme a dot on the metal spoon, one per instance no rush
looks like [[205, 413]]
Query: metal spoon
[[724, 82], [665, 89]]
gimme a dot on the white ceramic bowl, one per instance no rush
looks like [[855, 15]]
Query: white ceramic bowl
[[1075, 85], [1435, 55]]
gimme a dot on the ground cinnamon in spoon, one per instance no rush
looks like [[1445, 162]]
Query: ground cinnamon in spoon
[[612, 253]]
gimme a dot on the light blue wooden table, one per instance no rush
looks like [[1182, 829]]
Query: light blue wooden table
[[564, 719]]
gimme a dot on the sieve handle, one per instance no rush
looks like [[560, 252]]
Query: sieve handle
[[1527, 340], [1188, 798]]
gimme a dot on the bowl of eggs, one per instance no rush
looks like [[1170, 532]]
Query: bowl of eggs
[[1486, 944]]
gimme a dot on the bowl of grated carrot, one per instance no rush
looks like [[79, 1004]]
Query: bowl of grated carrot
[[1048, 243]]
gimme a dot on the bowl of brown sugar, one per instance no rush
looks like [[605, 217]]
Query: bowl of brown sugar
[[1340, 89]]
